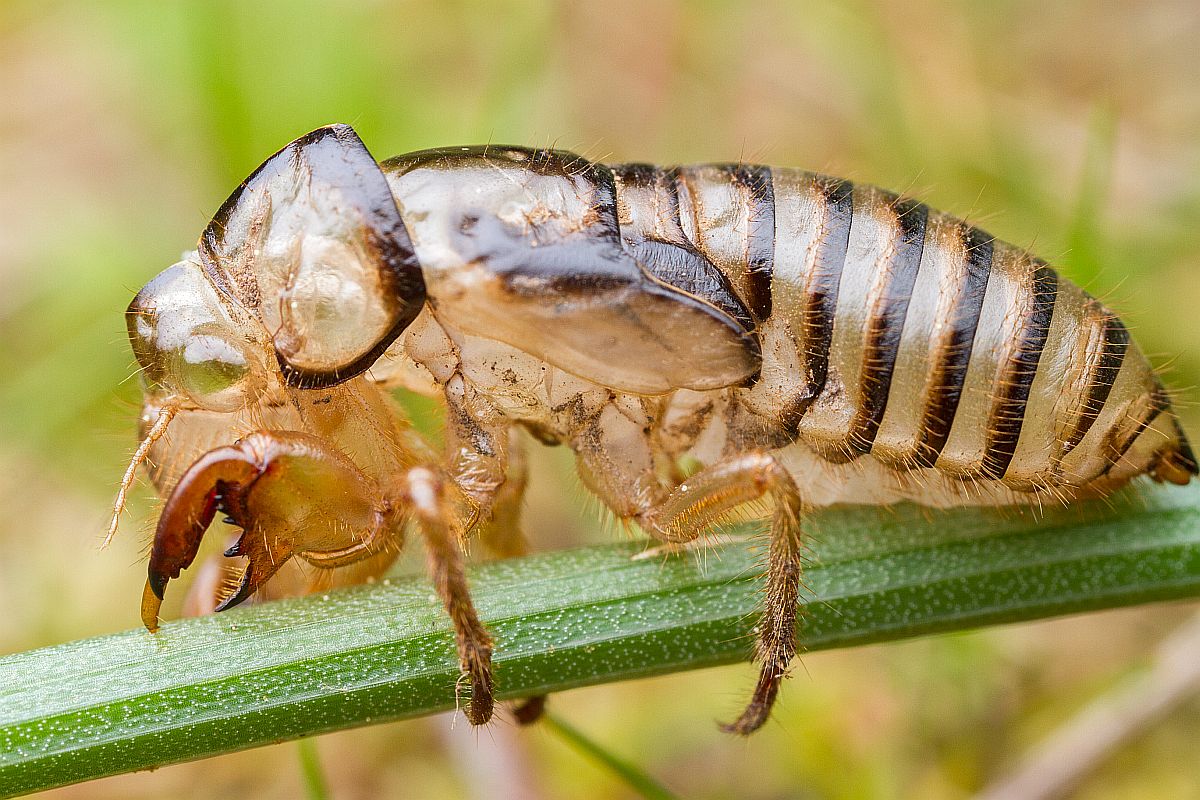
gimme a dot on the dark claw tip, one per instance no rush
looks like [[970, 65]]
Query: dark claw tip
[[244, 590], [157, 584]]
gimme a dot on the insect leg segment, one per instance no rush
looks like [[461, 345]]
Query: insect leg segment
[[617, 462], [478, 441], [372, 542], [503, 537], [188, 513], [289, 492], [502, 534], [488, 463], [425, 492], [293, 494], [486, 459], [702, 500]]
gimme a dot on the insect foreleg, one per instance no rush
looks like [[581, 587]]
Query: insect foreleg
[[291, 493], [296, 495], [382, 534]]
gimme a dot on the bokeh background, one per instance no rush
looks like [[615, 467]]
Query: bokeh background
[[1072, 127]]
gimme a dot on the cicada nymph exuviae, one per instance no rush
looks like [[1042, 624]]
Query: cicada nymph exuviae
[[792, 338]]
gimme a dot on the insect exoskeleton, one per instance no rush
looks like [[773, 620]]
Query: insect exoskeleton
[[804, 340]]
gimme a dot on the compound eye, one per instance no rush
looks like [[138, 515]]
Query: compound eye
[[213, 372]]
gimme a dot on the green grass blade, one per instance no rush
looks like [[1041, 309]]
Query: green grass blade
[[635, 778], [375, 653], [315, 785]]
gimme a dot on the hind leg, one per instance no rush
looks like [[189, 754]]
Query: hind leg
[[616, 461], [699, 502]]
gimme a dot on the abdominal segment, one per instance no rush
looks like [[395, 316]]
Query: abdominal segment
[[912, 340]]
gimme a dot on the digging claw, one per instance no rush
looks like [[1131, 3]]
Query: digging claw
[[290, 494], [264, 554], [215, 481], [245, 588]]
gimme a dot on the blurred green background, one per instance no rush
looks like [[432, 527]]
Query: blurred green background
[[1071, 127]]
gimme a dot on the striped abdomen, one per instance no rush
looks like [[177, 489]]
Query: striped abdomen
[[893, 330]]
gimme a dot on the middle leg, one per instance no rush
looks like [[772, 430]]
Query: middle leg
[[486, 459], [425, 493]]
